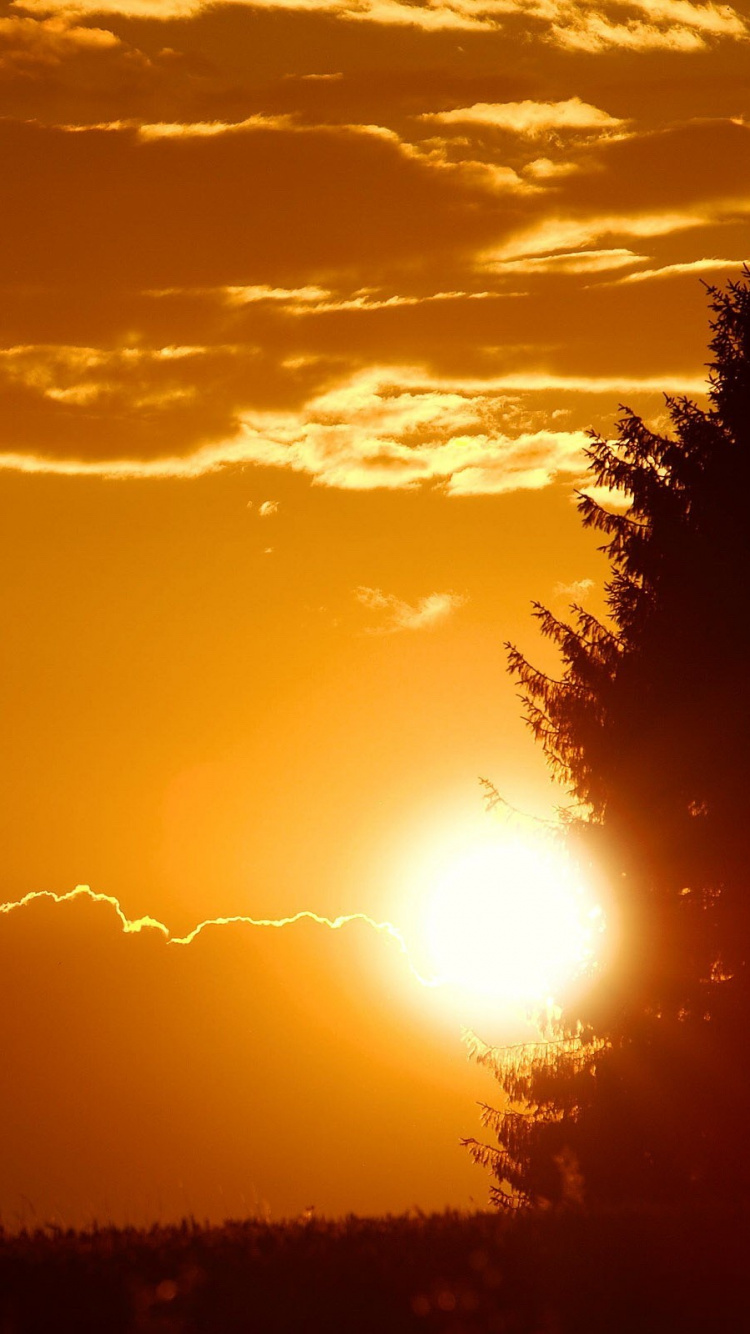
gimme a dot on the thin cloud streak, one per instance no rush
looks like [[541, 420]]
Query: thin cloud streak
[[574, 261], [678, 270]]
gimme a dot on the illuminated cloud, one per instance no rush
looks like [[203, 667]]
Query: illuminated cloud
[[528, 118], [229, 1000], [424, 614], [577, 591], [199, 129], [247, 296], [268, 508], [375, 429], [668, 25], [151, 9], [459, 14], [527, 463], [587, 25], [541, 239], [59, 71], [334, 199], [373, 433], [432, 16], [369, 301], [678, 270], [147, 131], [608, 499], [574, 261], [29, 46], [134, 926], [376, 316], [545, 169]]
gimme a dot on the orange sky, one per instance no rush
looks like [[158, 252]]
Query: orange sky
[[305, 310]]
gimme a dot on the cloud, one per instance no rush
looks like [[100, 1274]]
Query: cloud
[[562, 233], [30, 47], [112, 207], [577, 591], [700, 167], [433, 16], [667, 25], [342, 305], [267, 508], [608, 499], [575, 261], [60, 71], [424, 614], [246, 296], [306, 300], [528, 118], [583, 25], [529, 462], [678, 270], [197, 129], [80, 1070], [380, 428], [149, 9], [374, 431]]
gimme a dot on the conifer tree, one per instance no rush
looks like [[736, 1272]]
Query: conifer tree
[[643, 1092]]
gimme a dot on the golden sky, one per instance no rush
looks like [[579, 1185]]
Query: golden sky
[[306, 308]]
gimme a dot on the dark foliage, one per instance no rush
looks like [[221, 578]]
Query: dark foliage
[[446, 1274], [646, 1090]]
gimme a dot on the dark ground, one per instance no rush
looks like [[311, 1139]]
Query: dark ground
[[635, 1273]]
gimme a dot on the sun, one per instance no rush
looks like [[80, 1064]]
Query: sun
[[511, 920]]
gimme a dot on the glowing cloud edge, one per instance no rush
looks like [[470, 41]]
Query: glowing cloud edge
[[134, 926]]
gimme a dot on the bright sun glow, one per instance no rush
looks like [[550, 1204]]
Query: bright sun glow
[[512, 921]]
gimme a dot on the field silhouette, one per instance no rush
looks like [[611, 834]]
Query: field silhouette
[[638, 1272]]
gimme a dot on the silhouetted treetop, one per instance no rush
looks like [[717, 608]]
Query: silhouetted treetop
[[677, 593]]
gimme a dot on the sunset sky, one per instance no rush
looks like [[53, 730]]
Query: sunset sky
[[306, 309]]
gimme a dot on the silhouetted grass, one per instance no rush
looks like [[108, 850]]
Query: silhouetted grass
[[544, 1273]]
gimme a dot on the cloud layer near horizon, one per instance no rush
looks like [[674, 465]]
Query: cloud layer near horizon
[[377, 276], [196, 1061]]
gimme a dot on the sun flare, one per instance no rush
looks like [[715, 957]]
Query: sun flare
[[513, 921]]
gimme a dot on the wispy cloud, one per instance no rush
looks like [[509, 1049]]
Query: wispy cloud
[[424, 614], [573, 261], [204, 129], [677, 270], [577, 591], [322, 300]]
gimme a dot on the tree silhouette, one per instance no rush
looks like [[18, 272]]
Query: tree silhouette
[[643, 1091]]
